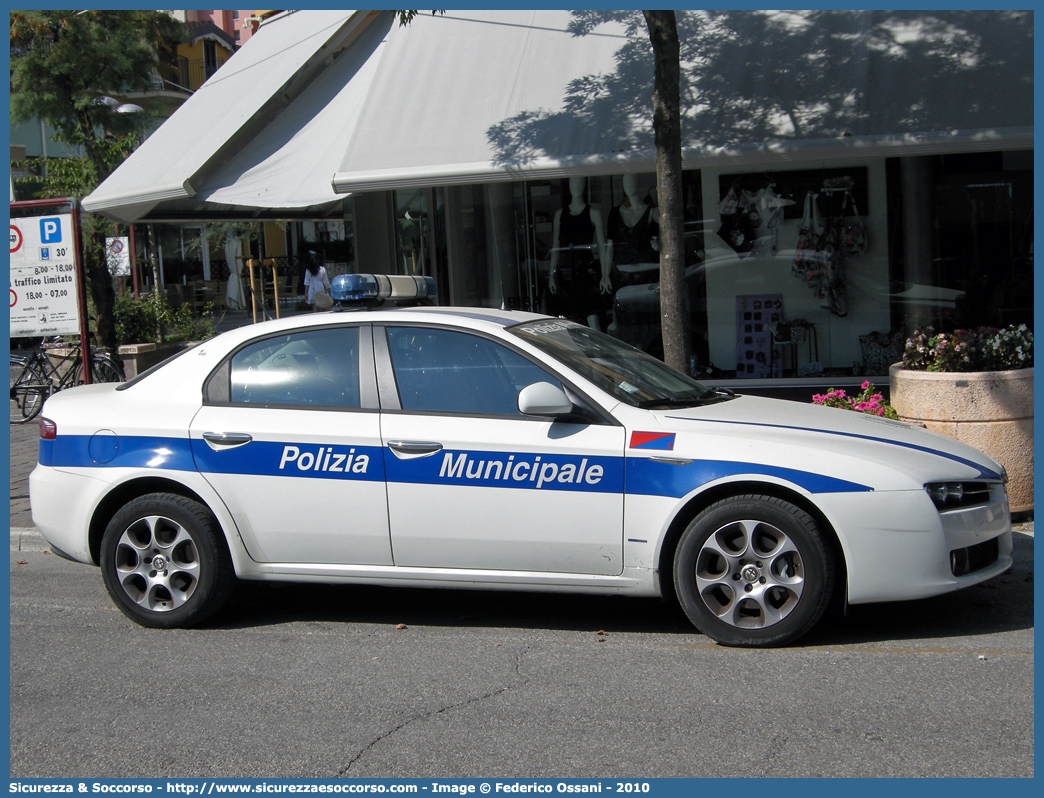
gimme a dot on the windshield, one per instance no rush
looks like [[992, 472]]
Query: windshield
[[618, 369]]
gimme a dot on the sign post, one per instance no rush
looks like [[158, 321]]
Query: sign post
[[48, 290]]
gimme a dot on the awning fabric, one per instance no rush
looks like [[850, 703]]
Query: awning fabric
[[254, 136], [450, 84], [483, 96], [319, 104]]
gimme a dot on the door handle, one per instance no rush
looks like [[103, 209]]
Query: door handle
[[226, 439], [410, 449]]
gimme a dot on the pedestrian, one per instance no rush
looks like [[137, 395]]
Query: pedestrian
[[317, 284]]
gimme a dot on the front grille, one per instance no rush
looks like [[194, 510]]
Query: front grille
[[974, 558]]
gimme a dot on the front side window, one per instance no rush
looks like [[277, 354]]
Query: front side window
[[444, 371], [313, 367]]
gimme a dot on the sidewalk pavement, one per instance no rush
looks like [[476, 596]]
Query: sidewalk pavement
[[24, 447]]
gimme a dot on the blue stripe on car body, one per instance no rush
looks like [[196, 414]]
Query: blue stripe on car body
[[983, 472], [632, 475]]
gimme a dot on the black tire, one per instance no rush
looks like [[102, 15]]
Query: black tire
[[28, 391], [165, 563], [754, 571]]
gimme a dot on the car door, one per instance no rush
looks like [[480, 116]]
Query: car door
[[289, 436], [472, 483]]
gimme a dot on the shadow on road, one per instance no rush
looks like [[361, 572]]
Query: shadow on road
[[1002, 604]]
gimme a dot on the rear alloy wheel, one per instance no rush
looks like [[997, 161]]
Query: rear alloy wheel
[[164, 561], [753, 571]]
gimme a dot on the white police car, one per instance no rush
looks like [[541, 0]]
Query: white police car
[[465, 447]]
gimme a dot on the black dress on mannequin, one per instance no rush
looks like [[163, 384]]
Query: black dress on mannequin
[[632, 245], [577, 273]]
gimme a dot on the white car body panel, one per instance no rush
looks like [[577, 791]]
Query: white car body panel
[[309, 487], [391, 523], [555, 501]]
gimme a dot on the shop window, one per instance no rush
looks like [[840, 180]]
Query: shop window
[[796, 270], [849, 257], [983, 238], [414, 232]]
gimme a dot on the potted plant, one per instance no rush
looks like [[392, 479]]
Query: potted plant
[[868, 400], [975, 386]]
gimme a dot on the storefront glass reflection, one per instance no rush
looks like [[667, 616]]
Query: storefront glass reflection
[[797, 272]]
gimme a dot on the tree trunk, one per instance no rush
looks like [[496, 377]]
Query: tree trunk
[[99, 280], [663, 33]]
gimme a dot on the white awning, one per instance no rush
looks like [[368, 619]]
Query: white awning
[[319, 104], [473, 97], [256, 134], [449, 84]]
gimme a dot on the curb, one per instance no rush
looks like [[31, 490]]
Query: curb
[[28, 539]]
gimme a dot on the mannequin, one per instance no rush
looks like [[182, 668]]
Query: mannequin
[[766, 218], [579, 265], [633, 232]]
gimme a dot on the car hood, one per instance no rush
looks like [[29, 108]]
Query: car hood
[[875, 452]]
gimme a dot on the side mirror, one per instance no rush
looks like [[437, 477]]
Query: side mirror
[[543, 399]]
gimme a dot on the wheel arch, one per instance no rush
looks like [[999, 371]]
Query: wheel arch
[[703, 500], [128, 491]]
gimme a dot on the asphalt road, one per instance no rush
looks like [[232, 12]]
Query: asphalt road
[[317, 681]]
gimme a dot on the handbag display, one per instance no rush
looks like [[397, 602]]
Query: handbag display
[[818, 258], [853, 230], [808, 261], [730, 202]]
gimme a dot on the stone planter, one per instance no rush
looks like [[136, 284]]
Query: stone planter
[[990, 410], [139, 357], [136, 357]]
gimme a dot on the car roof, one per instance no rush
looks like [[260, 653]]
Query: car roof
[[169, 375], [474, 318]]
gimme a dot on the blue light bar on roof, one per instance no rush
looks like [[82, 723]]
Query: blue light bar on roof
[[354, 287], [362, 287]]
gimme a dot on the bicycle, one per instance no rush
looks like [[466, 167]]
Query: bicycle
[[34, 377]]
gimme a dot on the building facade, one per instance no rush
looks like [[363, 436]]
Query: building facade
[[849, 175]]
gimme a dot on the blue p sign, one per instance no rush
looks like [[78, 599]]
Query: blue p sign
[[50, 230]]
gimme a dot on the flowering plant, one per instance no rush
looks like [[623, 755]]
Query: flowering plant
[[982, 349], [865, 402]]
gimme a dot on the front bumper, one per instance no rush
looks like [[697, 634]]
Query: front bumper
[[898, 546]]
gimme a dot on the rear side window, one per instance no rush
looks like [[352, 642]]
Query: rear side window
[[445, 371], [311, 367]]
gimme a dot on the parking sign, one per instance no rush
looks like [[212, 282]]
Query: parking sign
[[43, 277], [51, 230]]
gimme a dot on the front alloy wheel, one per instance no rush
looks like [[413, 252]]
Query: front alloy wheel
[[164, 561], [753, 571]]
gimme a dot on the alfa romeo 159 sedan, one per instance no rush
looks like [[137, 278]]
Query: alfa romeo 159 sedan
[[475, 448]]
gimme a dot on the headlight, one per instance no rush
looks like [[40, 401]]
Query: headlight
[[952, 495]]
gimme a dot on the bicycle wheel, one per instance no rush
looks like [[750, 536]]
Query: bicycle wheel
[[104, 369], [28, 391]]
